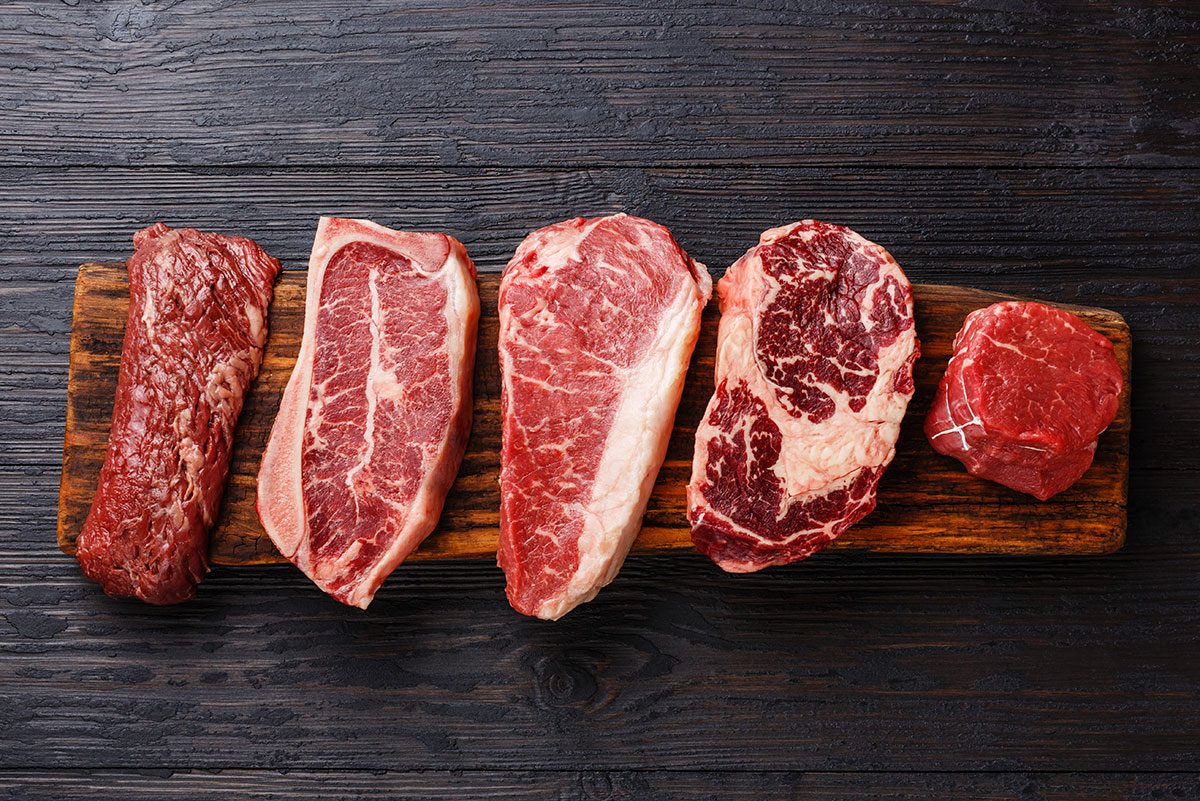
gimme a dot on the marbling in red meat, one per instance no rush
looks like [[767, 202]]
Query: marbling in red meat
[[815, 355], [193, 344], [598, 319], [1025, 397], [376, 415]]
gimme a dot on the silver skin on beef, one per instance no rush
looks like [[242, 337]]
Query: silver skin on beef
[[814, 372]]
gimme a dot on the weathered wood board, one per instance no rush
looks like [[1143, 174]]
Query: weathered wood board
[[927, 502]]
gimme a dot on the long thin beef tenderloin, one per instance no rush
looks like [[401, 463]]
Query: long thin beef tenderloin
[[193, 344]]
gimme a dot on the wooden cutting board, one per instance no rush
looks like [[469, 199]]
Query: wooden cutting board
[[927, 502]]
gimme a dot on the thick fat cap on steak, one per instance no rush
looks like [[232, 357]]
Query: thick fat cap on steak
[[598, 319], [376, 414], [1025, 396], [194, 336], [815, 355]]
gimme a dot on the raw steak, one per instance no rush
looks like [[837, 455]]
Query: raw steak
[[598, 319], [375, 417], [1027, 392], [193, 343], [815, 355]]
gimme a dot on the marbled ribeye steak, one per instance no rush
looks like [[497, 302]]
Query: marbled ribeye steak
[[814, 371]]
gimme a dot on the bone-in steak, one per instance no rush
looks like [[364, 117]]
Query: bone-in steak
[[598, 319], [375, 417], [193, 343], [814, 372], [1027, 392]]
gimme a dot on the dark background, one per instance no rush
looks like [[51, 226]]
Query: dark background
[[1045, 149]]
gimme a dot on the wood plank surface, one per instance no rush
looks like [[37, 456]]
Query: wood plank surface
[[844, 663], [432, 82], [927, 502], [854, 663], [1115, 238], [1045, 150], [590, 786]]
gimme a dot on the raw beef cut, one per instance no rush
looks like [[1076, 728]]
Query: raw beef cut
[[193, 343], [375, 417], [598, 319], [1025, 396], [815, 355]]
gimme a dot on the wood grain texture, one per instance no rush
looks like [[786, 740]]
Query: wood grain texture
[[927, 502], [592, 786], [845, 662], [576, 83], [1122, 239], [1046, 150]]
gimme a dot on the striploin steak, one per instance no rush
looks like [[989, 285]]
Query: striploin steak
[[814, 371], [193, 344], [1025, 396], [376, 414], [598, 319]]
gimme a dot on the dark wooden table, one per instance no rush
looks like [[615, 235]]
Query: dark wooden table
[[1049, 150]]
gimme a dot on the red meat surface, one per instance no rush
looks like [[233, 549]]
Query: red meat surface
[[814, 372], [193, 343], [598, 319], [1025, 396], [375, 417]]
